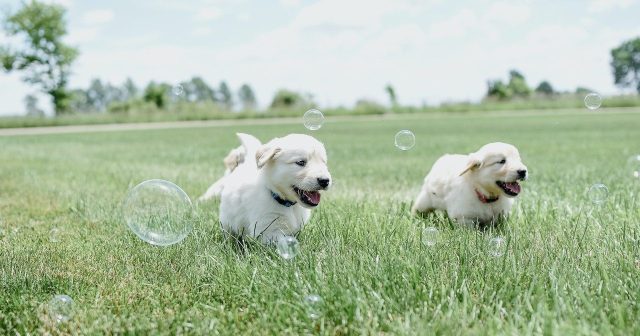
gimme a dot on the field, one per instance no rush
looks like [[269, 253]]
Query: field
[[570, 267]]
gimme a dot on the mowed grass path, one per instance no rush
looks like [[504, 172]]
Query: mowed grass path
[[570, 267]]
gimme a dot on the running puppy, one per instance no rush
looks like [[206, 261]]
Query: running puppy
[[474, 189], [270, 193]]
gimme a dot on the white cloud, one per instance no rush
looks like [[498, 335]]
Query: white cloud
[[208, 14], [289, 3], [82, 35], [596, 6], [457, 25], [508, 12], [97, 16]]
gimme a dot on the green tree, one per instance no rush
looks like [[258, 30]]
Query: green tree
[[498, 90], [246, 97], [129, 89], [545, 88], [157, 94], [518, 84], [290, 99], [224, 96], [391, 92], [625, 63], [43, 57], [201, 91]]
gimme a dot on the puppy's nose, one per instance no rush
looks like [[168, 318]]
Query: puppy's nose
[[522, 174], [323, 182]]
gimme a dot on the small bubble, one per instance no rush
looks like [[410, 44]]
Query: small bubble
[[430, 236], [313, 119], [178, 90], [288, 247], [592, 101], [54, 235], [497, 247], [314, 306], [61, 308], [405, 140], [598, 193]]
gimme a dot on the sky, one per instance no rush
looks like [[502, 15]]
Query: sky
[[431, 51]]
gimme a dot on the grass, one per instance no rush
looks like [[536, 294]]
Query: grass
[[569, 268]]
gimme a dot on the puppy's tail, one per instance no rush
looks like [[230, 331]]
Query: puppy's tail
[[251, 145]]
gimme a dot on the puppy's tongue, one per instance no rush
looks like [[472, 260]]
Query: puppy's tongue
[[312, 196], [514, 187]]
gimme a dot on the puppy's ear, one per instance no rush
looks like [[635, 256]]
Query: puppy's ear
[[266, 153], [474, 163]]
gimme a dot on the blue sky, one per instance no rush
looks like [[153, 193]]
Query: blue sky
[[341, 50]]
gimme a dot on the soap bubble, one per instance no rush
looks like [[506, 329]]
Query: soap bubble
[[429, 236], [497, 246], [177, 90], [288, 247], [592, 101], [405, 140], [313, 119], [598, 193], [54, 235], [61, 308], [313, 305], [634, 164], [158, 212]]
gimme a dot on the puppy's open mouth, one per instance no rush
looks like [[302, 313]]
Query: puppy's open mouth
[[311, 198], [509, 188]]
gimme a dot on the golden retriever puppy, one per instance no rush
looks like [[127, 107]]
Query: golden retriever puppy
[[474, 189]]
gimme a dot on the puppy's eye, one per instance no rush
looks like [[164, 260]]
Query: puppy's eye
[[503, 161], [301, 163]]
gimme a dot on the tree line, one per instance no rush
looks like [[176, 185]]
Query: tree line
[[45, 61]]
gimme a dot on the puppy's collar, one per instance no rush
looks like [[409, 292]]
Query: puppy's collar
[[484, 199], [283, 202]]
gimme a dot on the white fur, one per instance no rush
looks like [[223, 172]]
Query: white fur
[[247, 207], [453, 180]]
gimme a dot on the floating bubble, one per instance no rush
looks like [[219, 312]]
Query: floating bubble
[[598, 193], [634, 164], [592, 101], [313, 305], [288, 247], [497, 247], [158, 212], [313, 119], [177, 90], [405, 140], [61, 308], [429, 236], [54, 235]]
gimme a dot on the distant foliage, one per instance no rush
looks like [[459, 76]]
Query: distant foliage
[[43, 58], [391, 92], [625, 63], [247, 98], [545, 88], [224, 96], [290, 99], [31, 104]]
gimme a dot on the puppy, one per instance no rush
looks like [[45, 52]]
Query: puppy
[[231, 161], [270, 194], [474, 189]]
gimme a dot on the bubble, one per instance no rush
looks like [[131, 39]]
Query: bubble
[[592, 101], [313, 305], [429, 236], [177, 90], [634, 165], [61, 308], [158, 212], [598, 193], [497, 247], [313, 119], [288, 247], [405, 140], [54, 235]]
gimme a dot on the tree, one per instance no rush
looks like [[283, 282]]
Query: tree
[[43, 57], [290, 99], [545, 88], [392, 95], [129, 89], [31, 104], [201, 91], [625, 63], [518, 85], [247, 97], [224, 95], [157, 94], [497, 89]]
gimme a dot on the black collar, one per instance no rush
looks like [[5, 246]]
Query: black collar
[[283, 202]]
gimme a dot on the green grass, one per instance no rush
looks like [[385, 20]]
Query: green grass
[[570, 267]]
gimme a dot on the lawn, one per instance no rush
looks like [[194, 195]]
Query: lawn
[[570, 267]]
